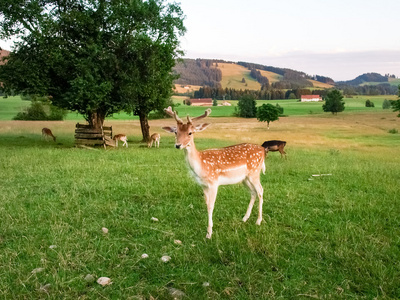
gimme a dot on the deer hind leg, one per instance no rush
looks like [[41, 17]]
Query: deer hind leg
[[253, 192], [210, 194], [255, 181]]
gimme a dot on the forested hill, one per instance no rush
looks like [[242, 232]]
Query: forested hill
[[244, 75], [367, 78]]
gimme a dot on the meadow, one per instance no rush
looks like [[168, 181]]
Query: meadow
[[335, 236]]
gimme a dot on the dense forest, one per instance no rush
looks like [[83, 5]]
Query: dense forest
[[264, 94], [367, 77]]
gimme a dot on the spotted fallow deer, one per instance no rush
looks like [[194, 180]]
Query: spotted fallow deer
[[46, 134], [214, 167], [275, 145], [122, 138], [155, 138]]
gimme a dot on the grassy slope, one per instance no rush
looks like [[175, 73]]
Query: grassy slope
[[232, 75], [331, 237]]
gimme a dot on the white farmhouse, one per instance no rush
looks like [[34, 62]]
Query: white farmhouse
[[310, 98]]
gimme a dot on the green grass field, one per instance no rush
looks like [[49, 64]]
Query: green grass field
[[335, 236]]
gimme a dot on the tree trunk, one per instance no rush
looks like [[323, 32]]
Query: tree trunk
[[96, 119], [144, 125]]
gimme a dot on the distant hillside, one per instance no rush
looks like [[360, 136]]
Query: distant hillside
[[244, 75], [366, 78]]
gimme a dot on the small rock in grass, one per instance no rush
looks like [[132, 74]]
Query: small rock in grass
[[89, 278], [165, 258], [154, 219], [104, 281], [105, 230], [37, 270], [205, 284], [144, 255], [178, 242], [175, 293]]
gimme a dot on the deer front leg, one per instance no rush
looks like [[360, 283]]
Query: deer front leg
[[210, 194]]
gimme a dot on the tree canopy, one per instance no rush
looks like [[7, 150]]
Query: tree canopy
[[247, 106], [333, 102], [268, 113], [95, 57]]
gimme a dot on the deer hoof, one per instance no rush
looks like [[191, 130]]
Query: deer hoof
[[245, 218], [208, 236], [258, 222]]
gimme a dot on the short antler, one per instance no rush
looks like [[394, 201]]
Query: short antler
[[206, 114], [173, 114]]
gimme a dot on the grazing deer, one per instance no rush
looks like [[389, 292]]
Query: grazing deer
[[214, 167], [122, 138], [46, 134], [155, 137], [275, 145]]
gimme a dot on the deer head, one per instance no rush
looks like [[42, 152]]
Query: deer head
[[184, 133]]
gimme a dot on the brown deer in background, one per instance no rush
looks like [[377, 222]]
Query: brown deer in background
[[155, 138], [122, 138], [46, 134], [214, 167], [275, 145]]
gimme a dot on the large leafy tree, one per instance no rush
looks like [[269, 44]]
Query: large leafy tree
[[333, 102], [247, 106], [95, 57], [268, 113]]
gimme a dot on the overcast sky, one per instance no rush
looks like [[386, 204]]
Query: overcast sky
[[340, 39], [337, 38]]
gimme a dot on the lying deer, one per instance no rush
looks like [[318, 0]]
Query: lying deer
[[122, 138], [275, 145], [214, 167], [46, 134], [155, 138]]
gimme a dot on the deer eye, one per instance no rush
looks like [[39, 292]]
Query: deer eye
[[190, 133]]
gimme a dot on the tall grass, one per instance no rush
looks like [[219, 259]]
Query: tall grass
[[335, 236]]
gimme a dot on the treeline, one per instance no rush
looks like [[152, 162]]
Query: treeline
[[379, 89], [264, 94], [256, 74], [323, 79], [198, 72], [292, 80]]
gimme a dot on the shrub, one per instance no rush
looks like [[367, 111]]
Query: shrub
[[386, 104], [369, 103], [41, 110], [393, 131]]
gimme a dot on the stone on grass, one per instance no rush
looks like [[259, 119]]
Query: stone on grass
[[165, 258], [178, 242], [154, 219], [105, 230], [104, 281], [175, 293]]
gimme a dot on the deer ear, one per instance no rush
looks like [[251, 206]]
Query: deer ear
[[201, 127], [169, 129]]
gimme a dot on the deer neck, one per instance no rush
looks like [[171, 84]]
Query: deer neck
[[194, 162]]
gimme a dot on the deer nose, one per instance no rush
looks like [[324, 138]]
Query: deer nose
[[177, 146]]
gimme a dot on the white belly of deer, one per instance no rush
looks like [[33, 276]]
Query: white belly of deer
[[232, 175]]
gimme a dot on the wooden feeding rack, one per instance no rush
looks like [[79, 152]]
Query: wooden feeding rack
[[85, 136]]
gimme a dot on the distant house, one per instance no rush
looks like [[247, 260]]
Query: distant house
[[310, 98], [201, 102]]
